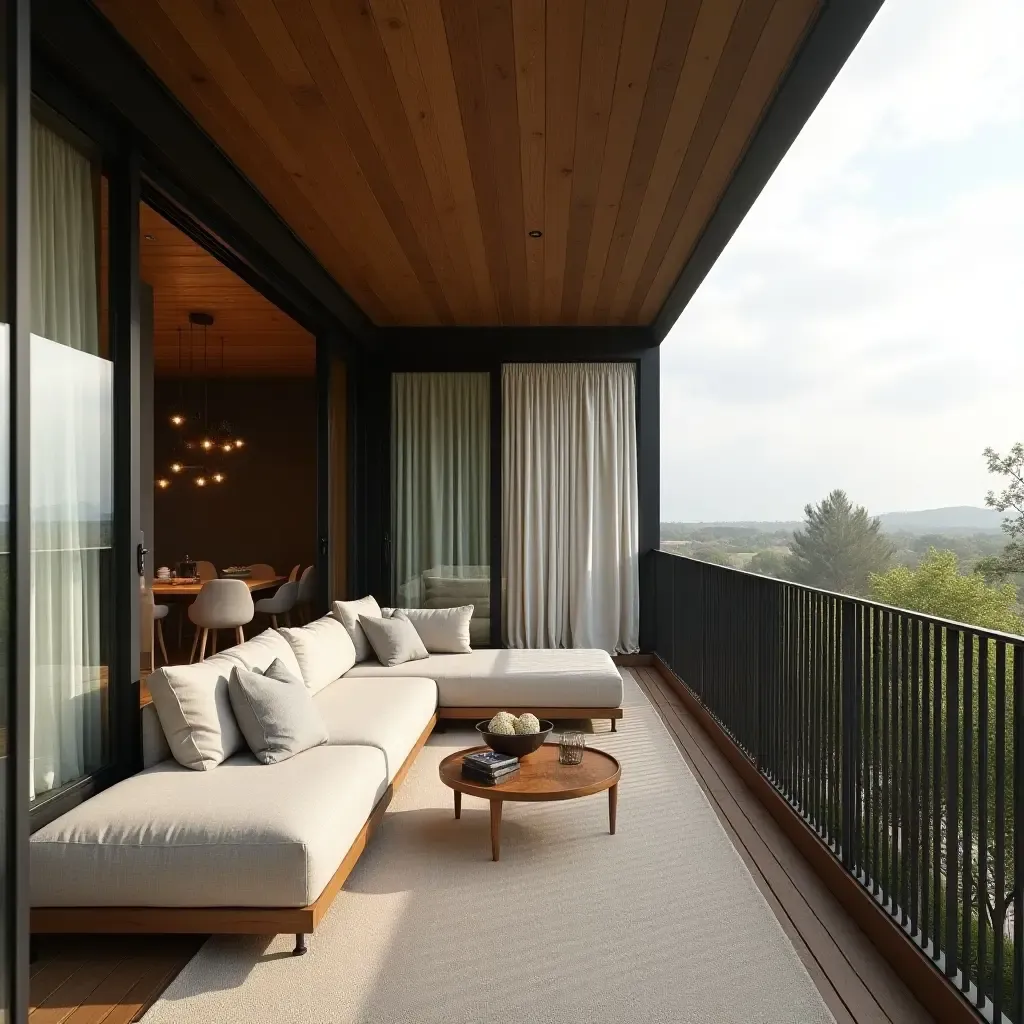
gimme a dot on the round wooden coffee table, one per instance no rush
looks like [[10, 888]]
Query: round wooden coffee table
[[540, 777]]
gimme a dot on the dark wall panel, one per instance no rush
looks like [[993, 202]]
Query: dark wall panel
[[265, 511]]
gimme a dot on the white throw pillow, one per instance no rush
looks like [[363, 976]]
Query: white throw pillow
[[195, 713], [262, 650], [323, 650], [394, 641], [442, 630], [348, 612]]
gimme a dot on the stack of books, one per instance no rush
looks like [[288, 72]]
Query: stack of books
[[489, 767]]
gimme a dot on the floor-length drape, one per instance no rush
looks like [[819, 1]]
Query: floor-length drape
[[71, 487], [569, 521], [440, 462]]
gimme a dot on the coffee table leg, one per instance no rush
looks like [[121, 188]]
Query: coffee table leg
[[458, 803], [496, 829], [613, 804]]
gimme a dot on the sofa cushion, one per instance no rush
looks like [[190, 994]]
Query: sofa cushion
[[246, 835], [348, 612], [256, 654], [275, 712], [323, 650], [442, 630], [394, 641], [195, 711], [387, 713], [494, 678]]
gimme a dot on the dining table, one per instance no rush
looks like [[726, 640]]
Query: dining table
[[190, 588]]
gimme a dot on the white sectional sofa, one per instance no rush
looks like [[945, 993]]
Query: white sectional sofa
[[264, 848]]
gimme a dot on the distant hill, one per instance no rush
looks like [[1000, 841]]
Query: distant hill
[[958, 518], [952, 520]]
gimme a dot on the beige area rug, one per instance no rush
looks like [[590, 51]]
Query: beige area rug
[[658, 923]]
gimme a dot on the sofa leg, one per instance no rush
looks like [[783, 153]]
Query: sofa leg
[[300, 944], [614, 724]]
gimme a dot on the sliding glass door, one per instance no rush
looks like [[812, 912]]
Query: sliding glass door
[[72, 467], [440, 492]]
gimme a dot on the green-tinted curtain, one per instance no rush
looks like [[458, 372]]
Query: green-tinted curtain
[[440, 464]]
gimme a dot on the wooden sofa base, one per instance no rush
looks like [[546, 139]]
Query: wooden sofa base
[[612, 714], [226, 920]]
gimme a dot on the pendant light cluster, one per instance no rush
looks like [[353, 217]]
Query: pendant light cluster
[[203, 446]]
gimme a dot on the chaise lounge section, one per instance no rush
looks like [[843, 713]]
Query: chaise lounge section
[[197, 844]]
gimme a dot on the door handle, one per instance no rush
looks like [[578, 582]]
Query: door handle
[[140, 559]]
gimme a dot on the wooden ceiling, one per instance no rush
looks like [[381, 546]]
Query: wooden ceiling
[[417, 146], [258, 339]]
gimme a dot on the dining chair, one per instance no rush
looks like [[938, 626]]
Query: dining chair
[[206, 571], [160, 612], [261, 571], [221, 604], [306, 593], [294, 574], [281, 603]]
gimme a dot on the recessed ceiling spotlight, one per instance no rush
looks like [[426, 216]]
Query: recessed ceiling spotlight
[[150, 238], [535, 233]]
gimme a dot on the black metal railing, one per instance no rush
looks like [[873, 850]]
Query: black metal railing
[[895, 735]]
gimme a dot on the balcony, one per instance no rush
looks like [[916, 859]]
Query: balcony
[[860, 760]]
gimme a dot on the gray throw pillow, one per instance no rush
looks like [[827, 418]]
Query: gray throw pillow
[[275, 712], [394, 641]]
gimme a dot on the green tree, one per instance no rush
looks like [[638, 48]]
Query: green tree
[[937, 587], [1010, 499], [839, 546], [713, 555], [771, 563]]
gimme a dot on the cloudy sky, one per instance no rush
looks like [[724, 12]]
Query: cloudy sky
[[865, 326]]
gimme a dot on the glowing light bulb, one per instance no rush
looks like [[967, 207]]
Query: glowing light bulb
[[200, 481], [228, 447], [218, 478], [176, 467], [207, 443], [239, 442], [177, 420], [163, 484]]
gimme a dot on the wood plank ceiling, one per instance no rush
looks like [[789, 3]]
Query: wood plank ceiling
[[250, 336], [482, 161]]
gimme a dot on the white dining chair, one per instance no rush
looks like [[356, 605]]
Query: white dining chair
[[206, 571], [306, 593], [294, 574], [261, 571], [281, 603], [221, 604], [160, 612]]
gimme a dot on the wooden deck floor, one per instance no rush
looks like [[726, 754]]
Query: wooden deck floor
[[856, 982], [113, 979], [102, 979]]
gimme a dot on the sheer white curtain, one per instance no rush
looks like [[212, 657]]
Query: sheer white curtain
[[570, 505], [440, 463], [71, 492]]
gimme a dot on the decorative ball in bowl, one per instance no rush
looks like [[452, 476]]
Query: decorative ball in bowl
[[516, 737]]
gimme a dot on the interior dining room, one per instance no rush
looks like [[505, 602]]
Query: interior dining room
[[228, 461]]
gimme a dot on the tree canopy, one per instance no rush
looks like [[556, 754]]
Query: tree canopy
[[839, 546], [937, 587], [1010, 499]]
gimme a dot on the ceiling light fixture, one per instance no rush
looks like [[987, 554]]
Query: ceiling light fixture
[[535, 233]]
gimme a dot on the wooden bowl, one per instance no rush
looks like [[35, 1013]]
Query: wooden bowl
[[520, 744]]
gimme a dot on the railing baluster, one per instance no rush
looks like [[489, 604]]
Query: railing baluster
[[914, 788], [952, 794], [999, 905], [984, 983], [967, 851], [876, 730], [1018, 834], [938, 648], [904, 762], [926, 777]]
